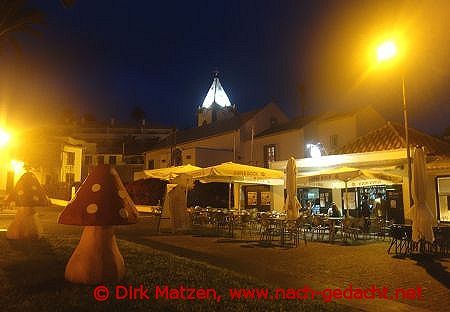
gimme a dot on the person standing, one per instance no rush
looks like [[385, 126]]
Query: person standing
[[365, 212]]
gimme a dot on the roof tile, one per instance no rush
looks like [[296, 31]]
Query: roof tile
[[392, 136]]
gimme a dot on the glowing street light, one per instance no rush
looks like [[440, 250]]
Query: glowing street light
[[315, 150], [386, 51], [4, 138], [17, 167]]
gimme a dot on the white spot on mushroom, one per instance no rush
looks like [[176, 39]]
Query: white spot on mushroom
[[92, 208], [34, 188], [122, 194], [123, 213], [35, 198], [96, 187], [20, 192]]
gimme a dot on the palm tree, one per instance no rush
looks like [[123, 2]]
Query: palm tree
[[67, 3], [137, 114], [17, 17]]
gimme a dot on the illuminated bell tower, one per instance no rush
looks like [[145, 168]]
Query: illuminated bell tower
[[216, 105]]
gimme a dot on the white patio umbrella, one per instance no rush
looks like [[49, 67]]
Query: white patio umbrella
[[345, 177], [422, 218], [230, 173], [291, 204]]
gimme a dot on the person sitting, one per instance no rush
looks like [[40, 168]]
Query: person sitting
[[333, 211], [330, 211], [316, 207]]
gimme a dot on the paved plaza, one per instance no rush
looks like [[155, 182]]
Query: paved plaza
[[319, 265], [322, 265]]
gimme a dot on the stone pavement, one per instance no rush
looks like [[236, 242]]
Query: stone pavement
[[320, 266]]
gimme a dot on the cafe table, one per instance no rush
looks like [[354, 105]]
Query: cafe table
[[332, 221], [277, 225]]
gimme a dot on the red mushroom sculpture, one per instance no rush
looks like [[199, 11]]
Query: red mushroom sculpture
[[27, 194], [100, 203]]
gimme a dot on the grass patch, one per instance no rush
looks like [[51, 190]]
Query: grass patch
[[32, 279]]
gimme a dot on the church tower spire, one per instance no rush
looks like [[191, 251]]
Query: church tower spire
[[216, 94], [216, 105]]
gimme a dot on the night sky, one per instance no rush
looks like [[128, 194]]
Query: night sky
[[104, 57]]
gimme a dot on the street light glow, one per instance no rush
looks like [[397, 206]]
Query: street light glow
[[386, 51], [4, 137], [18, 167], [314, 150]]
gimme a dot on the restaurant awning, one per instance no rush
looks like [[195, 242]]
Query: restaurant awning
[[230, 172], [166, 174], [344, 177]]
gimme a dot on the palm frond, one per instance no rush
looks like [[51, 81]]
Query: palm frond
[[17, 17], [67, 3]]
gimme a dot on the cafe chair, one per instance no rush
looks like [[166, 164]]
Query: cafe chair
[[441, 244], [401, 239], [351, 228], [318, 228]]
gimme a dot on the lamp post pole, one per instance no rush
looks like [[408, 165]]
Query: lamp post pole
[[387, 51], [408, 150]]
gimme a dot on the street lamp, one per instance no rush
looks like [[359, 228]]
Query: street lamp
[[386, 51], [4, 137]]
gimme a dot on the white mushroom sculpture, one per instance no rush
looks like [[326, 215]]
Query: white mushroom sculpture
[[100, 203], [27, 194]]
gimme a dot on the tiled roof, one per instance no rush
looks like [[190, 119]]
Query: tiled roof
[[296, 123], [128, 145], [392, 136], [215, 128], [300, 122]]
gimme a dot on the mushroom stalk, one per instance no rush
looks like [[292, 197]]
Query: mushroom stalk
[[25, 225], [97, 258]]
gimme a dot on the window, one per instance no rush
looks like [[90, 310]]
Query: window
[[71, 158], [177, 159], [269, 154], [88, 160], [100, 159], [70, 178], [151, 164], [273, 121], [334, 140], [112, 160], [443, 192]]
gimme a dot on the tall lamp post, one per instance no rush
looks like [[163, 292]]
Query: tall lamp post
[[385, 52]]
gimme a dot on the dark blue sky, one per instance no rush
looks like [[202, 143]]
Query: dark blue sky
[[104, 57]]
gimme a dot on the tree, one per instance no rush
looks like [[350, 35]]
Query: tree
[[68, 116], [67, 3], [137, 114], [17, 17]]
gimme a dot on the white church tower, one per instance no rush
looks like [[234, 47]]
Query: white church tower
[[216, 105]]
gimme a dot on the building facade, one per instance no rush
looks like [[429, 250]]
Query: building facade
[[383, 151], [221, 133]]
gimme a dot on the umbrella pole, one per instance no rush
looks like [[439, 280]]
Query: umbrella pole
[[229, 196], [346, 199]]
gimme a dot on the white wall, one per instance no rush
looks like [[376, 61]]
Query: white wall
[[278, 198], [76, 167], [287, 144]]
